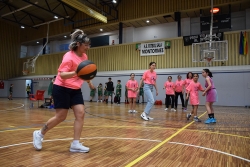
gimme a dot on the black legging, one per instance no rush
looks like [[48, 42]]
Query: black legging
[[172, 100], [186, 101], [176, 99], [118, 100]]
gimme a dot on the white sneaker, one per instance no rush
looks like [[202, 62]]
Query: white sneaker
[[134, 111], [172, 109], [78, 148], [166, 109], [150, 118], [101, 100], [37, 140], [144, 116], [130, 111]]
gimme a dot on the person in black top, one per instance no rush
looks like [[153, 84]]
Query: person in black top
[[110, 90], [11, 91]]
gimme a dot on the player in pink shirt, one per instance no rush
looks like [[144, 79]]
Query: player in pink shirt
[[187, 81], [179, 90], [211, 95], [193, 91], [149, 78], [132, 87], [67, 92], [169, 86]]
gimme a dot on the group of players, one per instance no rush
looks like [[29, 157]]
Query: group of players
[[67, 92]]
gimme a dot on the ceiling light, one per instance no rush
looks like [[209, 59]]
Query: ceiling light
[[37, 42], [101, 29], [215, 10], [22, 27], [65, 36], [147, 21], [55, 17], [85, 9], [114, 1]]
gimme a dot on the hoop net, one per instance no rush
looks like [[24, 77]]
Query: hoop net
[[208, 60], [26, 72]]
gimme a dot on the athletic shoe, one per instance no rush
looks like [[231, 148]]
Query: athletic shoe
[[172, 109], [213, 120], [130, 111], [144, 116], [196, 119], [185, 110], [37, 140], [150, 118], [134, 111], [101, 100], [188, 116], [78, 148], [209, 120], [166, 109]]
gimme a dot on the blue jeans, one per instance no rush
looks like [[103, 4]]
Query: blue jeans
[[148, 92]]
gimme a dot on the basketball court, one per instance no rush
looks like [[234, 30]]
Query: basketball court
[[118, 138]]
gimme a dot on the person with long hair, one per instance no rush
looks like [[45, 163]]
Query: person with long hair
[[187, 81], [132, 87], [211, 95], [193, 91], [67, 93], [149, 78]]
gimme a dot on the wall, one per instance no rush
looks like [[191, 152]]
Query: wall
[[225, 79]]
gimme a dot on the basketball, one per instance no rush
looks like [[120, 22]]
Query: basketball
[[86, 70]]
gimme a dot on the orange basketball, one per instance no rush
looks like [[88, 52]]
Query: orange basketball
[[86, 70]]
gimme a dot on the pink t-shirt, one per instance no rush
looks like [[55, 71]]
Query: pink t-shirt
[[69, 63], [149, 77], [187, 82], [132, 84], [179, 85], [169, 86], [194, 88]]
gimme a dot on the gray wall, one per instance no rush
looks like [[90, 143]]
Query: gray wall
[[232, 83]]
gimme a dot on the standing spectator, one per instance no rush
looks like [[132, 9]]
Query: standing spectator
[[99, 88], [11, 91], [118, 91], [110, 91], [28, 90]]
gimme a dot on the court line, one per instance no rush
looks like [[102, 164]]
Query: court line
[[86, 138], [210, 149], [160, 144], [22, 105], [203, 131]]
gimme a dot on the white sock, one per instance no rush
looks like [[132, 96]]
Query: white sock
[[40, 133], [75, 141]]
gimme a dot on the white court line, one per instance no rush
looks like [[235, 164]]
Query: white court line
[[22, 105], [211, 150], [86, 138]]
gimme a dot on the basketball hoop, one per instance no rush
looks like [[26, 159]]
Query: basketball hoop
[[26, 72]]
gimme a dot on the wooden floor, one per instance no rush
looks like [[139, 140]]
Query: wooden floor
[[118, 138]]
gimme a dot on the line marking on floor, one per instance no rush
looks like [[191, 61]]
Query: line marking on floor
[[85, 138], [210, 149], [160, 144]]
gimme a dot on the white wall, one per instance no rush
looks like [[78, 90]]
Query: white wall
[[247, 18], [167, 30], [5, 92]]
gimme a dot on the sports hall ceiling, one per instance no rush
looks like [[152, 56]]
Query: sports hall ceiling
[[32, 13]]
